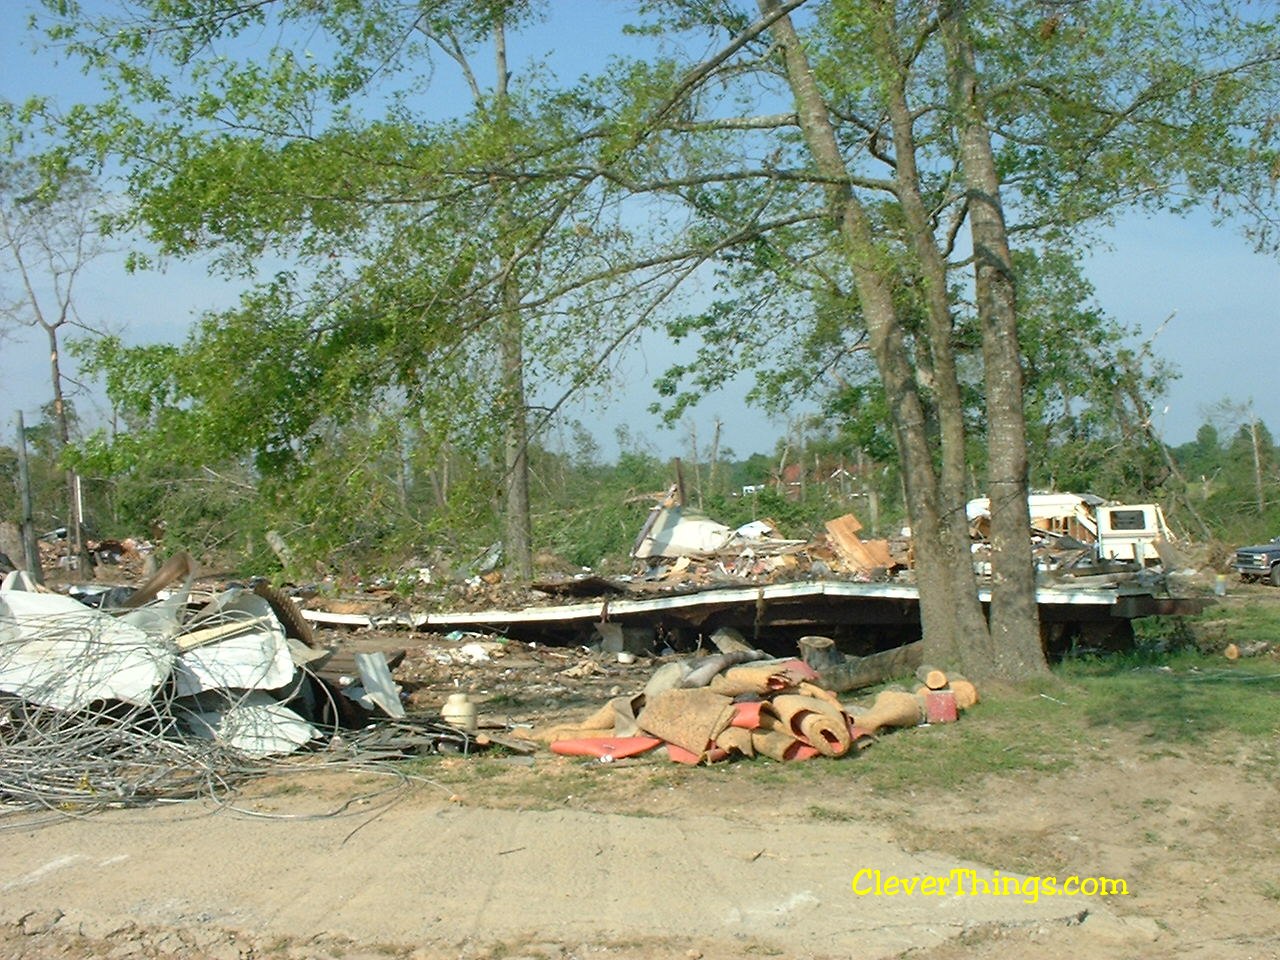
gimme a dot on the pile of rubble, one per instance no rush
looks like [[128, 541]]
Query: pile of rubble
[[678, 545], [163, 698]]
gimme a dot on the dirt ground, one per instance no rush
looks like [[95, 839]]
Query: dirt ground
[[639, 860]]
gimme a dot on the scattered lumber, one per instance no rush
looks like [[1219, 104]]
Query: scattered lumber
[[199, 638]]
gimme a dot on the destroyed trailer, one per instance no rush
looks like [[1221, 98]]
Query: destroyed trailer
[[1101, 531], [697, 576]]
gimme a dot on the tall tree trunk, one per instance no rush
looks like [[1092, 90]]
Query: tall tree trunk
[[517, 519], [943, 610], [712, 471], [968, 647], [1015, 624]]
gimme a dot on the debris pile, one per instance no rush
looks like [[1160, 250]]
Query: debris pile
[[157, 700], [1083, 538], [679, 545], [741, 703]]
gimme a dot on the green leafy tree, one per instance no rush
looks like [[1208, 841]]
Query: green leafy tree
[[929, 142], [1235, 483], [878, 164], [410, 248]]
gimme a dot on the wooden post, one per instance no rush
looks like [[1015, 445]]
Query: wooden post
[[75, 535], [1257, 462], [29, 545]]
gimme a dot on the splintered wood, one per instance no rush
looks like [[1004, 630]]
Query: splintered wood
[[861, 556]]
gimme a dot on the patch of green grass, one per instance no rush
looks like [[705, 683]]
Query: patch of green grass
[[1178, 697], [952, 758], [474, 768], [1247, 622], [1232, 620], [1270, 889], [830, 814]]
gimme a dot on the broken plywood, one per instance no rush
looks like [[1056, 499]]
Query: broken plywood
[[862, 556]]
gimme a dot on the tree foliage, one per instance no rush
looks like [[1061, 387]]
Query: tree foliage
[[885, 198]]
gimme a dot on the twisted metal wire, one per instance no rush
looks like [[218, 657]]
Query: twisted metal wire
[[113, 754]]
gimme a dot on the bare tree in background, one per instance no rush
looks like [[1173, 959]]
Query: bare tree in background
[[49, 233]]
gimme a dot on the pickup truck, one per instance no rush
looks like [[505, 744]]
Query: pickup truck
[[1259, 563]]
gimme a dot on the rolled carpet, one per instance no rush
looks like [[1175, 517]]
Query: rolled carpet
[[690, 719], [760, 679], [815, 721], [614, 747], [892, 708], [780, 745], [736, 740], [751, 714]]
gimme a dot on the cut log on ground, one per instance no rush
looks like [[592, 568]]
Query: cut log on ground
[[855, 673], [931, 677], [966, 693], [1255, 649]]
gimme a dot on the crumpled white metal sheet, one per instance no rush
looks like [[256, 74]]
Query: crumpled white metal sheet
[[56, 652]]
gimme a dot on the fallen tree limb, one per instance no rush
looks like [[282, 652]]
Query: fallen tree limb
[[854, 673]]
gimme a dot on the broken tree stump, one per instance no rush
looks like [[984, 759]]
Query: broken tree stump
[[820, 653]]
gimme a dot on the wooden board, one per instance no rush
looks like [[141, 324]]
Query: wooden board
[[863, 556]]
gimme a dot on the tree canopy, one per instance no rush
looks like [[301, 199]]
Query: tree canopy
[[886, 197]]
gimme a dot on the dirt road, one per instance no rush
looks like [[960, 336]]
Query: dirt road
[[426, 877]]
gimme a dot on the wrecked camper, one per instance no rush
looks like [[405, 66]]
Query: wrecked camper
[[1112, 531]]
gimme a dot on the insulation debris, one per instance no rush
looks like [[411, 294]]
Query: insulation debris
[[56, 652]]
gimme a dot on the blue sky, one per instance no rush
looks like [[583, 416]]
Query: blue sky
[[1222, 296], [1224, 300]]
